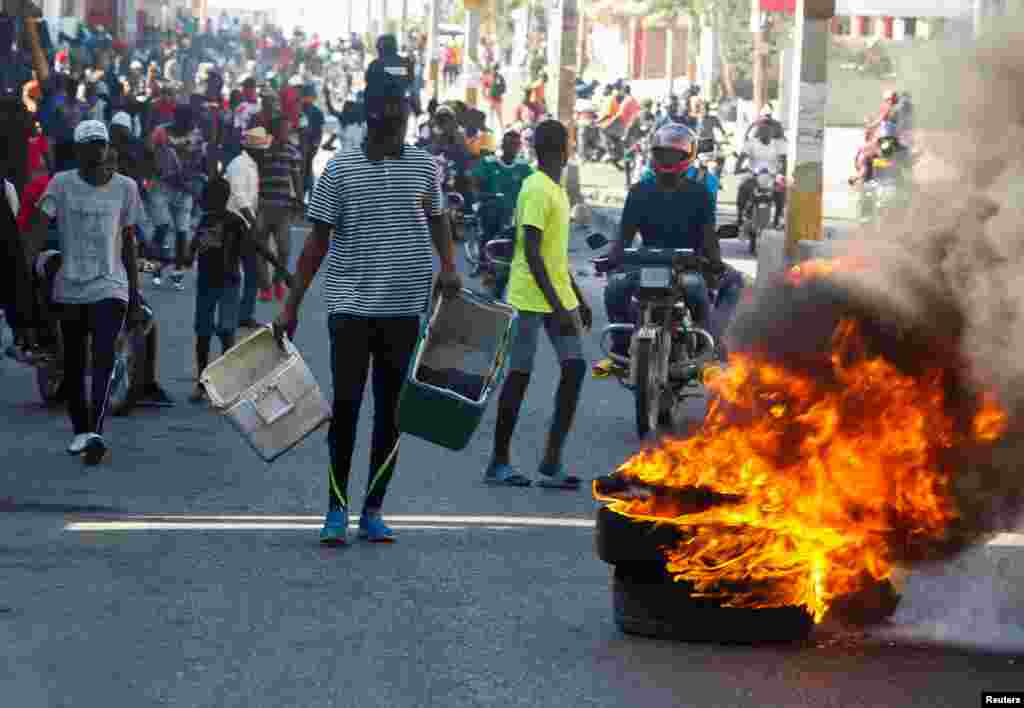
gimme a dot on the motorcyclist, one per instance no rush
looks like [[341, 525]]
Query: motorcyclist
[[448, 142], [670, 212], [893, 161], [501, 174], [888, 112], [672, 113], [764, 153], [618, 128], [694, 172], [706, 125], [766, 118]]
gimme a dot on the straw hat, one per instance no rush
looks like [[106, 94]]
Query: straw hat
[[257, 139]]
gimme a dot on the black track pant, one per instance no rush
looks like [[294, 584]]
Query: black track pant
[[104, 320], [390, 341]]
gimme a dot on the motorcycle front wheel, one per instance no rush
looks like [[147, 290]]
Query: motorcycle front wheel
[[471, 247], [647, 393]]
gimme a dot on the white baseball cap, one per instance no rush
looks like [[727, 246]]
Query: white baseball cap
[[91, 131], [122, 119]]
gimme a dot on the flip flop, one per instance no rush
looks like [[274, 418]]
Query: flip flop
[[555, 477], [505, 476]]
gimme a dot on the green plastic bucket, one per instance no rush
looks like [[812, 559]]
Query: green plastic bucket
[[459, 361]]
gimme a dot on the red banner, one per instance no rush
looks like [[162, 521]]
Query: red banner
[[787, 6]]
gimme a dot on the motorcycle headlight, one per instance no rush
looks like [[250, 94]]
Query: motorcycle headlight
[[765, 181]]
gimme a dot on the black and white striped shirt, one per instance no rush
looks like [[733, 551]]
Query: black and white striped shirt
[[380, 262]]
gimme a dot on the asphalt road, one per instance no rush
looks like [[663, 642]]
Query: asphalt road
[[185, 572]]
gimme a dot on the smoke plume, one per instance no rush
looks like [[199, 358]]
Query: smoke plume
[[945, 281]]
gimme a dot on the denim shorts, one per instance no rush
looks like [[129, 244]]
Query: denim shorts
[[170, 207], [217, 308], [524, 348]]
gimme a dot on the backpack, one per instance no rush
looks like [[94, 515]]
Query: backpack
[[498, 86]]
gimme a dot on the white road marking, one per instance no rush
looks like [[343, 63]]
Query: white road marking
[[256, 522], [94, 526], [226, 522]]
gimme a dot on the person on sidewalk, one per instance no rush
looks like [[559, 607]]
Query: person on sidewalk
[[280, 190], [149, 392], [383, 204], [496, 88], [220, 240], [96, 212], [170, 206], [185, 138], [543, 290], [312, 135], [243, 174]]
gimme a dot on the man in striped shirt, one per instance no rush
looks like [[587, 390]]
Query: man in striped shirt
[[280, 187], [382, 201]]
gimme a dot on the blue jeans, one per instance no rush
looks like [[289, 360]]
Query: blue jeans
[[618, 303], [217, 309], [730, 288]]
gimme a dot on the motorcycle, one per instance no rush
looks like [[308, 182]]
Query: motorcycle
[[759, 211], [637, 143], [588, 142], [667, 353], [455, 203], [475, 245], [130, 350], [711, 157], [881, 193]]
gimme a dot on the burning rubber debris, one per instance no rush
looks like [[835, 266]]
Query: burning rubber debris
[[871, 415], [829, 473]]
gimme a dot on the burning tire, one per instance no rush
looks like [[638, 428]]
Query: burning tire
[[647, 602]]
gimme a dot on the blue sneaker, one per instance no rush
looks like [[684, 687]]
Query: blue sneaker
[[335, 530], [373, 529]]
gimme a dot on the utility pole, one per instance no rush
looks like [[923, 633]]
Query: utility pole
[[563, 37], [405, 27], [433, 46], [471, 68], [760, 54], [807, 124]]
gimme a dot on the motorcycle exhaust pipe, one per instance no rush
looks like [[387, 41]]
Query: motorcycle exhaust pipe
[[690, 368]]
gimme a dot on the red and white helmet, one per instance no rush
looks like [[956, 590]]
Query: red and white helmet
[[674, 137]]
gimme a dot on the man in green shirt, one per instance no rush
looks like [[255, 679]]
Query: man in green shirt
[[543, 290], [503, 175]]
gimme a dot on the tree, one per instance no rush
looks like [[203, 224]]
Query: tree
[[730, 19]]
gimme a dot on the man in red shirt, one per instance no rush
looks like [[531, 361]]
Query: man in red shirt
[[291, 101]]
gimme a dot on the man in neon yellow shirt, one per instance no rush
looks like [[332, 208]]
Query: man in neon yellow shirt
[[543, 290]]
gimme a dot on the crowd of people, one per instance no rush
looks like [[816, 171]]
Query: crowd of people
[[196, 152], [190, 149]]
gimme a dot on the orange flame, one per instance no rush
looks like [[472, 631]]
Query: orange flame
[[827, 475]]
